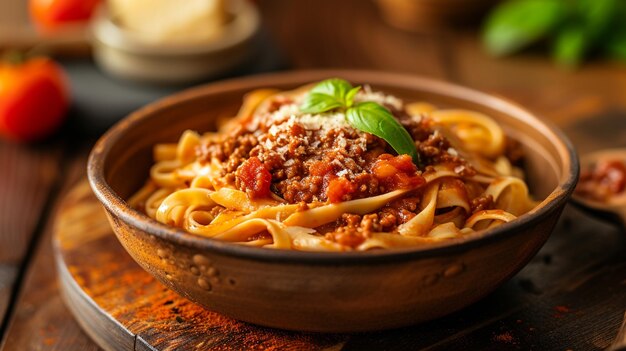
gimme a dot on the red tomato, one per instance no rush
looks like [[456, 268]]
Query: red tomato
[[255, 178], [33, 99], [338, 188], [396, 172], [51, 14]]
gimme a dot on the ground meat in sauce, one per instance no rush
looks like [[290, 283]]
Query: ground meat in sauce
[[607, 178], [352, 229], [320, 165], [482, 203], [514, 152], [309, 165], [216, 210]]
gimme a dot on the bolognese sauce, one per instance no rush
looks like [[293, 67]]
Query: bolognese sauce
[[278, 171], [314, 160], [606, 179]]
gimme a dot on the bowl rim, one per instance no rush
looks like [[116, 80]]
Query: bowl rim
[[113, 203], [244, 25]]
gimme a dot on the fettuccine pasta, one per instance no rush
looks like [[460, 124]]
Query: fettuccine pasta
[[276, 177]]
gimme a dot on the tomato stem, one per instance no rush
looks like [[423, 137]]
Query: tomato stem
[[14, 57]]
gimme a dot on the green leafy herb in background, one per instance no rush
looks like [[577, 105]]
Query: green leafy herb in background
[[575, 29], [370, 117], [515, 24], [570, 46], [615, 46]]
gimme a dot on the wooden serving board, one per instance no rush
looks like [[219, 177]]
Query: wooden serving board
[[551, 305]]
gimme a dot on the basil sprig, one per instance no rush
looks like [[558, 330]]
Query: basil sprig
[[329, 95], [516, 24], [574, 29], [370, 117]]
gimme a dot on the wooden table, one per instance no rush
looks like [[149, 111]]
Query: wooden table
[[573, 293]]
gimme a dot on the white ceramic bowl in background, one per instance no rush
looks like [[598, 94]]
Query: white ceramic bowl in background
[[125, 54]]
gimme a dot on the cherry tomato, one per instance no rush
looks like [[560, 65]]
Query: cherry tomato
[[33, 99], [51, 14]]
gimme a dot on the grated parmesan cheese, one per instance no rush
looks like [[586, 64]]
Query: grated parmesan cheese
[[324, 121], [343, 172], [366, 94], [328, 127]]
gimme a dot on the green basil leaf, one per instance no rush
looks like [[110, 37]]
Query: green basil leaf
[[515, 24], [350, 96], [570, 46], [373, 118], [318, 103], [326, 95], [336, 87]]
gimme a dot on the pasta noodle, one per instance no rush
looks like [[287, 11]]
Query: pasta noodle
[[276, 177]]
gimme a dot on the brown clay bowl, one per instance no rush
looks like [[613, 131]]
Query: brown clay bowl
[[326, 292]]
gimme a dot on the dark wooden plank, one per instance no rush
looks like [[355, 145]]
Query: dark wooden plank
[[585, 318], [40, 320], [27, 174], [620, 340], [8, 273], [579, 245]]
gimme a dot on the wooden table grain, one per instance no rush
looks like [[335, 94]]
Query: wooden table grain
[[578, 276]]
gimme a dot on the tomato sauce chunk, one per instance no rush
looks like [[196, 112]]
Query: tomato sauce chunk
[[613, 174], [396, 172], [254, 178], [338, 188], [606, 179]]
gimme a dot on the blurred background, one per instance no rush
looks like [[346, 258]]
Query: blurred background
[[72, 68], [119, 55]]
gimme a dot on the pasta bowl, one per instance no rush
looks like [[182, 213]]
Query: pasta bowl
[[319, 291]]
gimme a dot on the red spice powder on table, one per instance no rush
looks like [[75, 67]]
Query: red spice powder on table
[[505, 337], [560, 311]]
